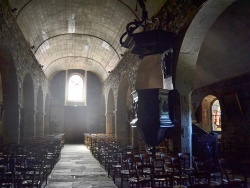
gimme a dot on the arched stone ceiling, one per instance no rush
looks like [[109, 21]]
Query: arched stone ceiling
[[78, 34]]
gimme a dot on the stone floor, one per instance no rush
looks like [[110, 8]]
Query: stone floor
[[78, 168]]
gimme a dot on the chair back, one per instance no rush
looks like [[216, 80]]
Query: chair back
[[159, 166]]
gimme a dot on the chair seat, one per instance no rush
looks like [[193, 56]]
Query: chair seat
[[214, 183], [29, 182], [116, 166], [140, 179], [125, 172], [183, 176], [233, 181], [159, 179]]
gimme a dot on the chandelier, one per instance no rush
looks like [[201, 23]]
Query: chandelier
[[151, 40]]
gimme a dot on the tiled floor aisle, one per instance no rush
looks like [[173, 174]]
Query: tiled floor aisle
[[78, 168]]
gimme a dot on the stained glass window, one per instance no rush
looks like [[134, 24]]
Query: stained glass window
[[216, 116]]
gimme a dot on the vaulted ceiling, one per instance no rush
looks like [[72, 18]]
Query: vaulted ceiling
[[79, 34]]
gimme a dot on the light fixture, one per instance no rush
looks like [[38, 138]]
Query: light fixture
[[148, 42]]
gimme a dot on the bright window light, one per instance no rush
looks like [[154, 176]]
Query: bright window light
[[75, 91]]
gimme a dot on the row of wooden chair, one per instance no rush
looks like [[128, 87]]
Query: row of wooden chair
[[28, 165], [163, 170]]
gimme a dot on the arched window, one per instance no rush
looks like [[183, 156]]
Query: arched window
[[216, 115], [211, 114], [75, 88]]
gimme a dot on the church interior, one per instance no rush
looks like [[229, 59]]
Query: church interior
[[153, 78]]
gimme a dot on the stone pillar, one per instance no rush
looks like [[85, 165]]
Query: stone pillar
[[39, 124], [12, 116], [109, 123], [117, 124], [135, 139], [29, 128], [186, 123], [46, 124]]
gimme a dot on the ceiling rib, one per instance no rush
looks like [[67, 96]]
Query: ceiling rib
[[129, 9], [79, 35], [19, 11], [74, 57]]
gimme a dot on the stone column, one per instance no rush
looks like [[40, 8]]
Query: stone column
[[12, 116], [117, 124], [29, 129], [39, 124], [46, 124], [109, 123], [135, 139], [186, 123]]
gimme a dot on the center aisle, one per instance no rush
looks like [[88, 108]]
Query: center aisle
[[78, 168]]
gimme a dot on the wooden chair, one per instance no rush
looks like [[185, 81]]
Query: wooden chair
[[143, 176], [162, 180], [147, 158], [185, 161], [30, 177], [114, 166], [158, 166], [176, 172], [202, 176], [41, 172], [125, 167], [228, 176], [5, 181]]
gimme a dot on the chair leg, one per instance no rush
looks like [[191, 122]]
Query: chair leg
[[121, 181]]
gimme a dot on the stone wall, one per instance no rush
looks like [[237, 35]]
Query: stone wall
[[16, 61], [235, 128], [25, 62], [92, 114], [127, 67]]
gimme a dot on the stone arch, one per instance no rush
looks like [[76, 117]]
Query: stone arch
[[187, 60], [39, 113], [124, 102], [10, 109], [110, 118], [28, 129], [149, 74], [46, 115], [193, 41]]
